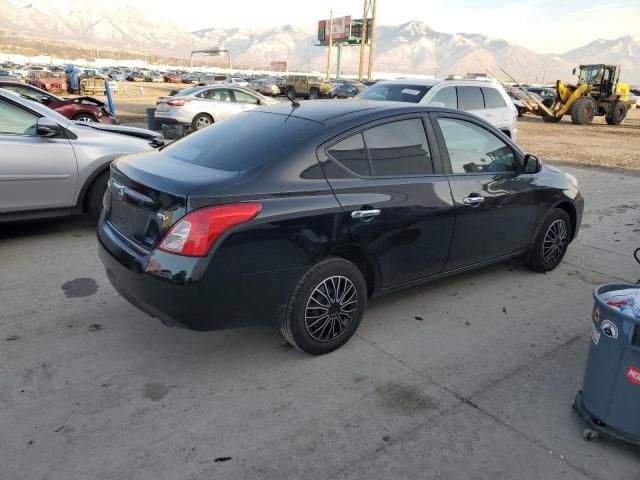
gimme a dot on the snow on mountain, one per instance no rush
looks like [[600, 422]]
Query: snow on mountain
[[412, 47], [624, 51]]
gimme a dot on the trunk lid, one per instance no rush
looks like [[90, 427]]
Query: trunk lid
[[148, 192]]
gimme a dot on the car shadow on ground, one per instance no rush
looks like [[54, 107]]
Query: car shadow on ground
[[46, 227]]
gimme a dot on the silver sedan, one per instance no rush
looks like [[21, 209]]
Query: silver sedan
[[199, 107], [51, 166]]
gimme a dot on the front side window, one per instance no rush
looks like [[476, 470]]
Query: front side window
[[242, 97], [14, 120], [446, 96], [399, 149], [470, 98], [472, 149]]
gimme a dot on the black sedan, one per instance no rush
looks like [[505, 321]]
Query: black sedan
[[348, 90], [295, 215]]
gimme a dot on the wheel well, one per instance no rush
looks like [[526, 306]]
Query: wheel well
[[360, 260], [87, 186], [571, 211], [81, 114]]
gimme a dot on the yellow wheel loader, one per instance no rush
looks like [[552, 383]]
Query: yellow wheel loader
[[598, 93]]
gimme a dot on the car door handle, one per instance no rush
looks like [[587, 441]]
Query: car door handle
[[473, 201], [365, 214]]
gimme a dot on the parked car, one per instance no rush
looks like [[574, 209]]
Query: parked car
[[83, 109], [308, 86], [53, 166], [172, 78], [265, 87], [9, 76], [236, 81], [153, 77], [189, 78], [94, 86], [51, 82], [283, 216], [135, 77], [348, 90], [117, 76], [211, 79], [199, 107], [486, 99]]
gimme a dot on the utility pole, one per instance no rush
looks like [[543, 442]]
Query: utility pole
[[363, 41], [373, 36], [330, 43]]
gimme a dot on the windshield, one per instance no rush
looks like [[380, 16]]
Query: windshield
[[591, 74], [395, 92]]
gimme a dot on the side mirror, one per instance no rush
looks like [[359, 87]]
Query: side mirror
[[532, 164], [45, 127]]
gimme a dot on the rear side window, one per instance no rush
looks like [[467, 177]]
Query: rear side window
[[470, 98], [243, 142], [492, 98], [399, 149], [447, 96], [351, 153]]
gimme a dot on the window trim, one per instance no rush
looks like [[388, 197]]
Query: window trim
[[444, 152], [431, 143]]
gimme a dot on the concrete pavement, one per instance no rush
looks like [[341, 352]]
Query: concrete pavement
[[471, 377]]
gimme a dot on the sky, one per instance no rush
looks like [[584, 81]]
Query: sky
[[546, 26]]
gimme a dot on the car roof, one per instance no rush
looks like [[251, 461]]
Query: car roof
[[427, 82], [329, 111]]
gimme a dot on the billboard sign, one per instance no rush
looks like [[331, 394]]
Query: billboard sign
[[341, 29]]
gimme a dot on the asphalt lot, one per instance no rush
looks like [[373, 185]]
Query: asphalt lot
[[471, 377]]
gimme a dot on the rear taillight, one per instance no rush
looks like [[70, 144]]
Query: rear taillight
[[177, 103], [195, 234]]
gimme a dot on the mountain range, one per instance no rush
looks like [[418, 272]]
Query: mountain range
[[412, 47]]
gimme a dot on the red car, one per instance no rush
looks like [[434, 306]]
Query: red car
[[172, 78], [51, 82], [85, 109]]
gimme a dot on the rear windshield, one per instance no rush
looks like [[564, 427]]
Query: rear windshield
[[395, 92], [243, 142]]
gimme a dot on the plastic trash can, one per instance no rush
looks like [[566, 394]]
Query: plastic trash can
[[152, 123], [610, 398]]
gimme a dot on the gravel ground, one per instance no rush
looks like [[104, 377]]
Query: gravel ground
[[596, 145]]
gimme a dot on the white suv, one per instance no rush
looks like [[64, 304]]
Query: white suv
[[484, 98]]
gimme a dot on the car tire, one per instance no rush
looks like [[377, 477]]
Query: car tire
[[551, 242], [290, 92], [583, 110], [200, 121], [618, 113], [313, 94], [85, 117], [336, 283], [335, 97], [95, 195]]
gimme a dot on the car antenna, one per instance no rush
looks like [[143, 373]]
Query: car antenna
[[288, 94]]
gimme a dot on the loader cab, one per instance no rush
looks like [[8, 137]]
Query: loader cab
[[602, 78]]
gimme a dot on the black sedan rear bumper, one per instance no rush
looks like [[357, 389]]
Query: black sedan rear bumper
[[194, 293]]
